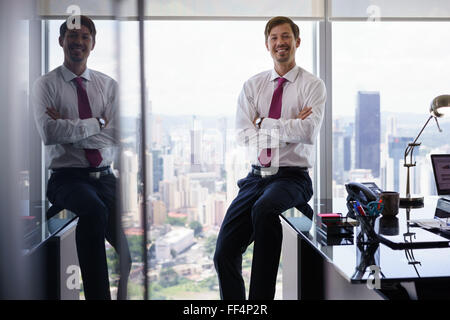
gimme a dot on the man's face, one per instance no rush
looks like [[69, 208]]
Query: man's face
[[282, 44], [77, 44]]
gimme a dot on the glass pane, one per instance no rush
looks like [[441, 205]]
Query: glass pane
[[195, 72], [16, 218], [183, 8], [372, 10], [384, 80], [116, 54], [235, 8]]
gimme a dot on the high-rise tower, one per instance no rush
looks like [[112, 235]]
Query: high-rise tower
[[367, 132]]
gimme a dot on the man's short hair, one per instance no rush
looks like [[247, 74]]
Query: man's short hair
[[276, 21], [85, 21]]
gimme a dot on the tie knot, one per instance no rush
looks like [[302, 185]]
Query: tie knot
[[79, 81], [281, 80]]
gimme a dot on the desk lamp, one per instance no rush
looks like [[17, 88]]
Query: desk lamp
[[439, 107]]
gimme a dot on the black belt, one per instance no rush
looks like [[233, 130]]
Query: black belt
[[270, 171], [95, 173]]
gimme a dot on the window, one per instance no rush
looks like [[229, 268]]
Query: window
[[195, 72], [385, 75], [105, 58]]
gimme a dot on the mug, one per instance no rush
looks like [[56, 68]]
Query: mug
[[388, 226], [391, 200]]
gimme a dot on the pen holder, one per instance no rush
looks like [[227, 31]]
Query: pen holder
[[367, 232]]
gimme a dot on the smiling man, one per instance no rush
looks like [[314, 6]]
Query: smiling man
[[74, 109], [279, 114]]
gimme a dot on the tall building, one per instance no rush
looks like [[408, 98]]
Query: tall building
[[391, 126], [223, 131], [149, 125], [367, 132], [157, 168], [396, 149], [342, 150], [159, 212], [157, 131], [347, 153], [196, 145], [149, 172], [348, 138], [168, 167], [169, 194], [129, 180], [219, 209], [338, 156]]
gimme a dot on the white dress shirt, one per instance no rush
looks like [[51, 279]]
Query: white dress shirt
[[291, 140], [66, 138]]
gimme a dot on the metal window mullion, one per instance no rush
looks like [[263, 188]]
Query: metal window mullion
[[45, 52], [143, 141], [325, 157]]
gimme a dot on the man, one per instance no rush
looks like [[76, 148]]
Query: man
[[280, 112], [74, 109]]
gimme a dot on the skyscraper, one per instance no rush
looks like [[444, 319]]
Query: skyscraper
[[347, 153], [223, 129], [157, 168], [338, 155], [348, 138], [397, 147], [196, 145], [367, 133]]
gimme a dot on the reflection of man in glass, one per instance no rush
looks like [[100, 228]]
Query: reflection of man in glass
[[74, 110], [284, 106]]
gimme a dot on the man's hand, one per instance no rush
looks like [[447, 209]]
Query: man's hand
[[53, 113], [304, 113], [254, 120]]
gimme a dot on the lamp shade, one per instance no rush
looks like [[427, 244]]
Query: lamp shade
[[440, 106]]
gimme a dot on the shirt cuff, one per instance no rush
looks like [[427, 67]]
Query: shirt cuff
[[269, 123], [93, 127], [271, 127]]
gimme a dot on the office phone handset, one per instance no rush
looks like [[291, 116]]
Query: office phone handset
[[363, 193]]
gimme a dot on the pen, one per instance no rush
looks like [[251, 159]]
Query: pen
[[379, 204], [355, 209], [360, 209]]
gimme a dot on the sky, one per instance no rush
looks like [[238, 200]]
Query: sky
[[198, 67]]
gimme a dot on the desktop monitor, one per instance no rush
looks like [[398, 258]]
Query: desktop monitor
[[441, 170]]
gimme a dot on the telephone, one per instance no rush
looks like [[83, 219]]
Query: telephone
[[363, 193]]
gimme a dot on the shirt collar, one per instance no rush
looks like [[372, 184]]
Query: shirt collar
[[69, 75], [290, 76]]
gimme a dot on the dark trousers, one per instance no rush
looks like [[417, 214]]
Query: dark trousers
[[254, 216], [93, 200]]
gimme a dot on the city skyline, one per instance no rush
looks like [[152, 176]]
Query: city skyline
[[189, 193]]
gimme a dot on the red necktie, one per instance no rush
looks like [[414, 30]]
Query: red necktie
[[274, 112], [84, 110]]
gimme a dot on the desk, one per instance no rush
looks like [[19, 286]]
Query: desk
[[313, 270], [48, 250], [37, 229]]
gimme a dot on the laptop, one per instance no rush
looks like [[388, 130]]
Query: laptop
[[441, 170]]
